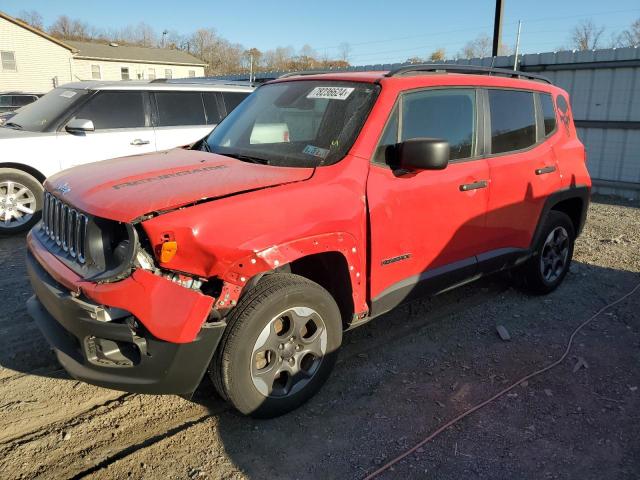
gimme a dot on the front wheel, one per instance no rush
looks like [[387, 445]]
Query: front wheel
[[279, 347], [546, 269], [20, 201]]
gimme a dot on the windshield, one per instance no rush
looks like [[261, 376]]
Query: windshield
[[297, 123], [41, 114]]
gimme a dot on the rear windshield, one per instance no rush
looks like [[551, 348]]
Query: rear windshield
[[296, 123], [41, 114]]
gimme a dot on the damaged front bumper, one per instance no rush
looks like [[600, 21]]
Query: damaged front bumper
[[111, 344]]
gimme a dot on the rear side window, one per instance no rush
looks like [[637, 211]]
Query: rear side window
[[22, 100], [548, 113], [447, 114], [213, 107], [233, 99], [5, 101], [513, 121], [114, 110], [180, 108]]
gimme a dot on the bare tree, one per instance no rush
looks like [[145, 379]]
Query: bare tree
[[630, 37], [586, 35], [479, 47], [33, 18], [414, 60], [437, 55], [344, 51], [67, 28]]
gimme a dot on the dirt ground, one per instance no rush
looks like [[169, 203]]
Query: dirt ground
[[397, 380]]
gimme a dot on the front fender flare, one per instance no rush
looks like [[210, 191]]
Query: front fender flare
[[271, 258]]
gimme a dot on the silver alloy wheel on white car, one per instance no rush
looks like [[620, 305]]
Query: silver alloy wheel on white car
[[288, 352], [17, 204]]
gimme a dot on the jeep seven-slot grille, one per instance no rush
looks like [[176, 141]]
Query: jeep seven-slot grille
[[66, 226]]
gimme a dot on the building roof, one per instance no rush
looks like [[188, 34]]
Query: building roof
[[127, 53], [32, 29]]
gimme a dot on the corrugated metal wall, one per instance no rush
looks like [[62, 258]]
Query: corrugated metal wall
[[605, 94]]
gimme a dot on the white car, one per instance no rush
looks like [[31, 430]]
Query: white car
[[89, 121]]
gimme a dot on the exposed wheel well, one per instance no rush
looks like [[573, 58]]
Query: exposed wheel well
[[330, 270], [573, 208], [25, 168]]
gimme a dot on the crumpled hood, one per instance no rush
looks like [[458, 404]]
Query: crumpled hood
[[126, 188]]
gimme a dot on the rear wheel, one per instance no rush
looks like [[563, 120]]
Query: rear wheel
[[20, 201], [545, 270], [279, 347]]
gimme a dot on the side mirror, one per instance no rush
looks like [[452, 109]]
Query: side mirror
[[423, 154], [79, 125]]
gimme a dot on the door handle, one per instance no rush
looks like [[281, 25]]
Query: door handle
[[542, 171], [139, 141], [474, 186]]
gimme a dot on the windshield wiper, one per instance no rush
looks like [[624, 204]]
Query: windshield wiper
[[247, 158], [13, 125]]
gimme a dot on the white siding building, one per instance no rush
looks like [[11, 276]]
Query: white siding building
[[33, 61]]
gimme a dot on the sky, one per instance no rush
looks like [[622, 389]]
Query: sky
[[377, 31]]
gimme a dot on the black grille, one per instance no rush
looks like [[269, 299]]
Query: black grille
[[65, 226]]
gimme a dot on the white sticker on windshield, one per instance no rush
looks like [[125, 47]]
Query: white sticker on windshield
[[316, 151], [68, 94], [332, 93]]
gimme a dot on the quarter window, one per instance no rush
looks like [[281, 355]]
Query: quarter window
[[124, 73], [513, 121], [114, 110], [8, 61], [548, 113], [446, 114], [180, 108], [95, 72]]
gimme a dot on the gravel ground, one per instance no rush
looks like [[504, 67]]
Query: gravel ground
[[397, 380]]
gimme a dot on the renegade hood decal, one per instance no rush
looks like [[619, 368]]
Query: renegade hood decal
[[126, 188]]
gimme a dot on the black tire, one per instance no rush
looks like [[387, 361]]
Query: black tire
[[232, 367], [14, 177], [532, 273]]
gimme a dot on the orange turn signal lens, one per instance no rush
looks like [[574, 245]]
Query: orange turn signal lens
[[168, 251]]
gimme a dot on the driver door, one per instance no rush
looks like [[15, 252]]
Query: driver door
[[427, 226], [122, 127]]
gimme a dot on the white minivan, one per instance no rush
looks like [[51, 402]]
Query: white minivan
[[89, 121]]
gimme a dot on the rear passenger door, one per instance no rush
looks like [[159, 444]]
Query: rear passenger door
[[122, 127], [183, 117], [522, 164]]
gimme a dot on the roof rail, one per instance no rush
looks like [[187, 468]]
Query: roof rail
[[307, 72], [469, 69]]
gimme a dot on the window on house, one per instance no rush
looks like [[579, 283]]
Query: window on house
[[95, 72], [513, 121], [152, 74], [8, 61], [124, 73], [168, 73], [446, 114], [192, 73], [548, 113]]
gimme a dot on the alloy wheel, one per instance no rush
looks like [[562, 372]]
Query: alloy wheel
[[17, 204], [288, 352], [555, 252]]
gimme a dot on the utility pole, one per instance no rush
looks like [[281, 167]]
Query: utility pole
[[515, 61], [251, 67], [164, 32], [497, 27]]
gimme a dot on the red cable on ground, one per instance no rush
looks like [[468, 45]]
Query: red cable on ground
[[452, 422]]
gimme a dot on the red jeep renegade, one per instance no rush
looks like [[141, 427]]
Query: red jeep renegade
[[320, 203]]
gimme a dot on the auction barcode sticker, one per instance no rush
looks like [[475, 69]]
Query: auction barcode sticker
[[332, 93]]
